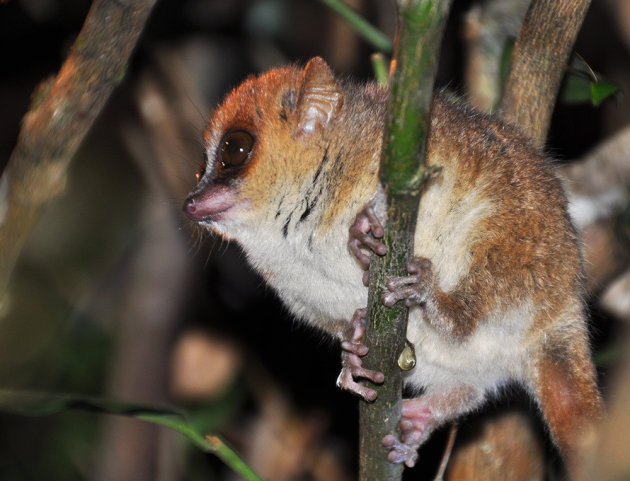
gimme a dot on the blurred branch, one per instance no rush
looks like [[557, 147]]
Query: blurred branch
[[364, 28], [403, 173], [448, 450], [285, 442], [379, 66], [487, 29], [504, 447], [62, 113], [45, 404], [616, 298], [598, 187], [598, 183], [155, 294], [620, 13], [539, 61]]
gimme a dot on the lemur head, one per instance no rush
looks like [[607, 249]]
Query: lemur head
[[264, 141]]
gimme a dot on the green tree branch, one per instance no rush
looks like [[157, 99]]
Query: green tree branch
[[403, 173]]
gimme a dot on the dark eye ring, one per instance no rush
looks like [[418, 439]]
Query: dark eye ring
[[235, 148], [201, 172]]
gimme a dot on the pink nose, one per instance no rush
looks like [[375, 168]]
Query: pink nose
[[190, 209], [209, 203]]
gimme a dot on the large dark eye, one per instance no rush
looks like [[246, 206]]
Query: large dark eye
[[235, 148]]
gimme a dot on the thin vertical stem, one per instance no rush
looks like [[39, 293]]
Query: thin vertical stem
[[402, 174]]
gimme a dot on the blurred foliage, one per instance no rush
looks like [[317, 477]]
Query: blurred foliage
[[208, 418], [363, 28], [64, 331], [582, 84]]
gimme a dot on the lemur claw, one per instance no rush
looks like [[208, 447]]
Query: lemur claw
[[400, 452], [353, 350], [412, 289], [365, 234], [415, 426]]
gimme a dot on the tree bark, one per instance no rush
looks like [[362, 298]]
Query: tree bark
[[62, 113], [539, 60], [487, 27], [403, 173]]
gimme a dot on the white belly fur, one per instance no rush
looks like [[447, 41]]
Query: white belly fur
[[494, 354], [490, 356]]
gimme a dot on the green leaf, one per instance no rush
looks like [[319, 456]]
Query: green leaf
[[576, 89], [364, 28], [584, 85], [506, 56], [381, 72], [602, 90], [44, 404]]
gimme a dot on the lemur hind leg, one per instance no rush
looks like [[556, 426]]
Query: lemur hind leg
[[422, 415]]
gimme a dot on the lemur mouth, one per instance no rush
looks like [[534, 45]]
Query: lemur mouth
[[209, 205]]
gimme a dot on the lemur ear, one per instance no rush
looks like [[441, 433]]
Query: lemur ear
[[320, 96]]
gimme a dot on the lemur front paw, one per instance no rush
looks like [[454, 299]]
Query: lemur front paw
[[365, 234], [413, 289], [352, 351], [415, 426]]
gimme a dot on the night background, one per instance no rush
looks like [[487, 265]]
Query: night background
[[116, 294]]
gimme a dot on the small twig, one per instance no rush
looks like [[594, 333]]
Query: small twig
[[231, 458], [364, 28], [381, 72], [25, 403], [209, 444], [448, 449]]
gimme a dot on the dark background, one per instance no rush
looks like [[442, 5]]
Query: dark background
[[82, 316]]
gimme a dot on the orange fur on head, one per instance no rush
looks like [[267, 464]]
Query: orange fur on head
[[498, 297]]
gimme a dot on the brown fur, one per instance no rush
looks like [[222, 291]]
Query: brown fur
[[568, 397], [528, 243], [511, 269]]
